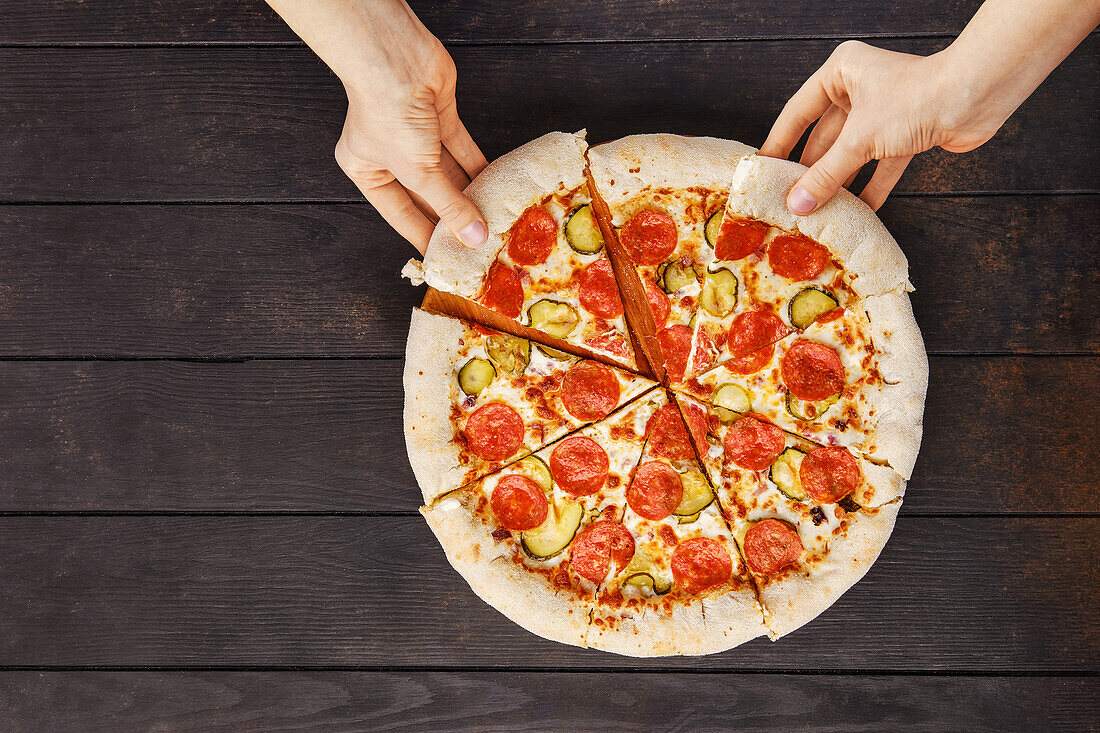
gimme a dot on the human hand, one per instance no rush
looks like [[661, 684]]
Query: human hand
[[403, 144]]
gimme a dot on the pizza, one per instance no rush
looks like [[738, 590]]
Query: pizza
[[683, 421]]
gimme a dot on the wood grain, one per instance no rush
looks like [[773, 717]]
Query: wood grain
[[479, 701], [242, 124], [947, 594], [998, 274], [222, 21], [1002, 435]]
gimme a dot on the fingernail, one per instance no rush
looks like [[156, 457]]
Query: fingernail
[[800, 201], [473, 234]]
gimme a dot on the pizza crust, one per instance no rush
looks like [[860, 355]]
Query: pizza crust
[[623, 168], [430, 356], [524, 597], [706, 626], [503, 191], [795, 600], [846, 225]]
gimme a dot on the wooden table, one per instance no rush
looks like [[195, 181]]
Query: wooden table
[[208, 519]]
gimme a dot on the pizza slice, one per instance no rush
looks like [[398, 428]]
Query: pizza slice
[[783, 272], [855, 377], [671, 578], [476, 400], [809, 519], [528, 537], [661, 191], [544, 265]]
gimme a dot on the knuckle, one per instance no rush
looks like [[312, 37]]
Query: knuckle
[[451, 210]]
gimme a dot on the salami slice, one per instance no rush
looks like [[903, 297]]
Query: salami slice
[[579, 465], [703, 352], [739, 238], [675, 344], [589, 390], [597, 290], [753, 443], [494, 431], [667, 437], [655, 491], [649, 237], [754, 330], [658, 303], [503, 291], [752, 363], [797, 257], [519, 503], [700, 563], [812, 371], [532, 237], [771, 545], [600, 545], [610, 342], [829, 473]]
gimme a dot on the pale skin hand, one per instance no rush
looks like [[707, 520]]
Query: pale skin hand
[[403, 143], [873, 104]]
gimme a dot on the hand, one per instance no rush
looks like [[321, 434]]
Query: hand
[[403, 143]]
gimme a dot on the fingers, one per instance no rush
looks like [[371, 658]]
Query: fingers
[[827, 175], [824, 134], [456, 211], [885, 177], [457, 140], [808, 103]]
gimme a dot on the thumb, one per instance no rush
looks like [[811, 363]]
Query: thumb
[[817, 185], [454, 209]]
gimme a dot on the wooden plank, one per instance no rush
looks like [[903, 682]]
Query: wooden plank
[[219, 21], [993, 274], [978, 594], [478, 701], [1002, 435], [261, 123]]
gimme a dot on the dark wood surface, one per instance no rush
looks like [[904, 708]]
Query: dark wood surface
[[206, 517]]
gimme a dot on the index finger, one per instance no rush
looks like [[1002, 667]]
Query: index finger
[[806, 105]]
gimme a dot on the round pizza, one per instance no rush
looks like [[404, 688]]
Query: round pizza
[[657, 413]]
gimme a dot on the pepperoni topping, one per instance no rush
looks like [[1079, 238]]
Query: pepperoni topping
[[503, 291], [532, 237], [754, 330], [797, 257], [752, 363], [658, 303], [519, 503], [667, 437], [700, 563], [655, 491], [828, 474], [753, 444], [598, 292], [675, 344], [589, 390], [598, 546], [812, 371], [771, 545], [739, 238], [612, 343], [649, 237], [494, 431], [579, 465], [832, 315]]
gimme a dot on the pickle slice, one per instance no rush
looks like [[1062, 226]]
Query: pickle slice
[[688, 519], [719, 296], [697, 495], [641, 573], [676, 275], [807, 410], [645, 581], [729, 400], [809, 305], [555, 533], [536, 469], [475, 375], [511, 353], [784, 473], [582, 232], [553, 353], [553, 317], [713, 227]]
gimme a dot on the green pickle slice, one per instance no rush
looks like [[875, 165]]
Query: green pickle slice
[[719, 296], [582, 232], [809, 305], [475, 375]]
